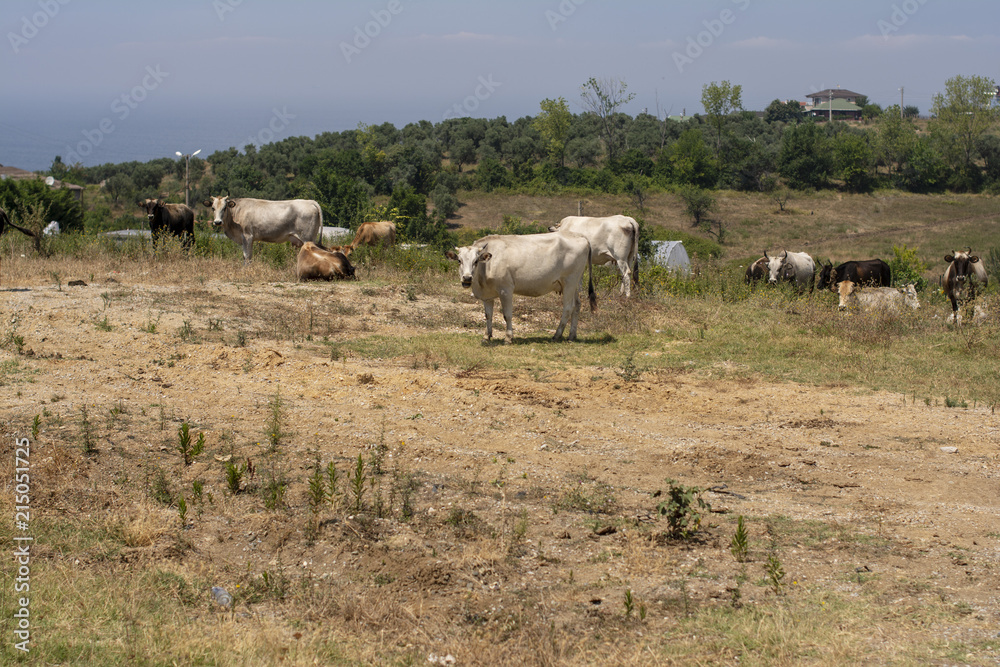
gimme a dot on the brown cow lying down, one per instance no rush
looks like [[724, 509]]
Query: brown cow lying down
[[315, 263]]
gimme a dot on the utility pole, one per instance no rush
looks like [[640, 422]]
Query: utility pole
[[901, 102], [187, 171], [831, 105]]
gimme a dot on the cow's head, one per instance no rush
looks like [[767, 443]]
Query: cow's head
[[219, 206], [846, 288], [961, 265], [468, 258], [775, 268], [826, 277], [150, 206]]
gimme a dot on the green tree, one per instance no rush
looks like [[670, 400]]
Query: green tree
[[805, 158], [896, 137], [720, 100], [790, 111], [855, 160], [962, 114], [691, 160], [553, 124], [604, 98]]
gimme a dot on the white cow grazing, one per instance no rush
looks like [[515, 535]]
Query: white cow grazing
[[246, 220], [530, 265], [793, 267], [877, 299], [612, 239]]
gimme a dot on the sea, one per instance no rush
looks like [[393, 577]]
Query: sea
[[33, 140]]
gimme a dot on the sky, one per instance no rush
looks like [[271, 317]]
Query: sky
[[113, 76]]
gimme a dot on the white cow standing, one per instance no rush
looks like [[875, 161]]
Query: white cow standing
[[612, 239], [246, 220], [793, 267], [531, 265]]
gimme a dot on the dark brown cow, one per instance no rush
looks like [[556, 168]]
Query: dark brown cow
[[865, 273], [174, 219], [964, 273], [316, 263]]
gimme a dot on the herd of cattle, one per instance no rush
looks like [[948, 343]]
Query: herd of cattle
[[500, 266]]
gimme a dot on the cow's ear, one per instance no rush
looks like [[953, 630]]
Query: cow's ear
[[485, 257], [231, 203], [450, 254], [207, 202], [949, 258], [974, 258]]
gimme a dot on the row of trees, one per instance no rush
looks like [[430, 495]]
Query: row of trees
[[600, 149]]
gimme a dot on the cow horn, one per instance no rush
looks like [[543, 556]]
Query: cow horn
[[765, 255], [968, 249], [785, 255]]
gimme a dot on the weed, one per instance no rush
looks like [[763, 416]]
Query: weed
[[87, 437], [276, 421], [376, 461], [160, 489], [241, 338], [57, 279], [739, 545], [13, 340], [234, 476], [628, 371], [214, 324], [775, 573], [182, 510], [950, 402], [104, 325], [317, 496], [184, 446], [150, 325], [273, 489], [356, 483], [629, 603], [589, 496], [332, 479], [35, 424], [186, 332], [682, 508], [197, 489]]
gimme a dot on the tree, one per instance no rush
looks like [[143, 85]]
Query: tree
[[720, 100], [604, 98], [553, 124], [896, 137], [855, 159], [804, 158], [691, 160], [790, 111], [697, 202], [119, 187], [963, 114]]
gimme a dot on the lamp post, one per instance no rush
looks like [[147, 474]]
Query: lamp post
[[187, 170]]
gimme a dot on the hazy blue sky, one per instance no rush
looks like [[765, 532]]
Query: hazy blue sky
[[201, 62]]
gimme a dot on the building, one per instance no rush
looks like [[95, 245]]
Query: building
[[16, 174], [844, 102]]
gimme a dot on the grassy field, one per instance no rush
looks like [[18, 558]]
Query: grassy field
[[495, 503]]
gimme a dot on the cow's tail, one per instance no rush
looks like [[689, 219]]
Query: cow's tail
[[591, 294], [635, 254], [319, 235]]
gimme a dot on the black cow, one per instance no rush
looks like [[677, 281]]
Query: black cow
[[174, 219], [756, 272], [964, 273], [867, 273]]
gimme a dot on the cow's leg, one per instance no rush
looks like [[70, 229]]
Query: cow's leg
[[488, 309], [507, 305], [574, 313], [247, 249], [626, 272]]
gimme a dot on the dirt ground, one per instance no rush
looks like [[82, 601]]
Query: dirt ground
[[857, 491]]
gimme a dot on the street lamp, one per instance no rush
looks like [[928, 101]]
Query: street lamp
[[187, 169]]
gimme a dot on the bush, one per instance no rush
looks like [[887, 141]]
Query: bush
[[907, 268], [697, 202]]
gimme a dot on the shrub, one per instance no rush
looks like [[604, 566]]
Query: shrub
[[907, 268], [682, 508]]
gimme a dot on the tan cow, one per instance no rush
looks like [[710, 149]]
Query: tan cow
[[530, 265], [315, 263], [247, 220], [382, 232]]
